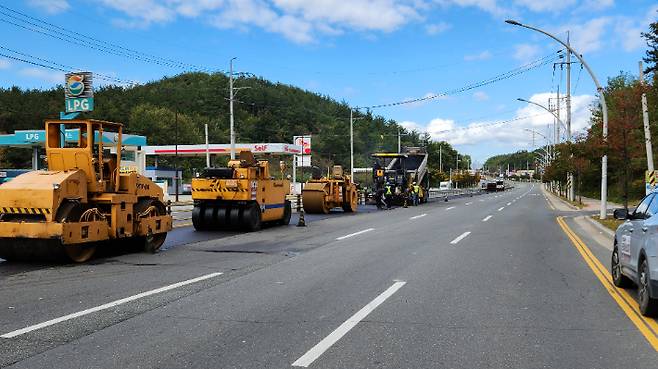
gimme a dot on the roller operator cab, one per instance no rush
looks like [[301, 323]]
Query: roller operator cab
[[241, 196], [81, 200]]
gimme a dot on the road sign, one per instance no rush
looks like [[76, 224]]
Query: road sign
[[651, 179], [78, 92]]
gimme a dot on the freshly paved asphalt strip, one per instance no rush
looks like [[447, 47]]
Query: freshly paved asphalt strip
[[514, 293]]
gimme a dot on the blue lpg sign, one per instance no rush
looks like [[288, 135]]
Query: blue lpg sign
[[79, 92]]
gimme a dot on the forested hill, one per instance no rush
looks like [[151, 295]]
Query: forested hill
[[265, 112], [518, 160]]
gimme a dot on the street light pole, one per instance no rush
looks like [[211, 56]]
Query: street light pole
[[572, 192], [604, 109]]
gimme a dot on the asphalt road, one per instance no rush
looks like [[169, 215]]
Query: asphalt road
[[489, 281]]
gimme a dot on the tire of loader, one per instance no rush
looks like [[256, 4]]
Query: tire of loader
[[287, 213], [350, 207], [252, 217], [150, 243]]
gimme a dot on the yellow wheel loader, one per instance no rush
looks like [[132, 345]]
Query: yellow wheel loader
[[241, 196], [323, 194], [81, 200]]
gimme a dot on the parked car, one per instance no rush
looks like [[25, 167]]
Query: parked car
[[635, 253], [187, 189]]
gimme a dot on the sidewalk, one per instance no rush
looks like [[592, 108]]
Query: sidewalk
[[588, 204], [595, 204]]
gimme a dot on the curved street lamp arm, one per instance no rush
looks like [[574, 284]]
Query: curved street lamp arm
[[545, 108]]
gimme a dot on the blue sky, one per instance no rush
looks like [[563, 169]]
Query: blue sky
[[366, 52]]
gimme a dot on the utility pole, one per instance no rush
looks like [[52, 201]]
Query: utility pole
[[176, 157], [230, 86], [207, 147], [399, 142], [440, 158], [352, 143], [572, 194], [645, 118]]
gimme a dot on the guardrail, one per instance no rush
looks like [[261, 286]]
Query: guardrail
[[436, 193]]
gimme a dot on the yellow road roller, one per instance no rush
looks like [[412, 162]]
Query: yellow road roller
[[320, 195], [241, 196], [81, 200]]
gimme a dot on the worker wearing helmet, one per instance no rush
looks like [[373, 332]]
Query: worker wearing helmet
[[388, 194], [415, 193]]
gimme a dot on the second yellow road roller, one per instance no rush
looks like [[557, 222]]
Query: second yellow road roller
[[241, 196], [320, 195]]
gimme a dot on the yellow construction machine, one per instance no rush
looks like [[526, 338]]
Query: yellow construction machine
[[81, 200], [320, 195], [241, 196]]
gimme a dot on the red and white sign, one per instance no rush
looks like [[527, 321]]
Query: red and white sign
[[305, 159], [305, 142]]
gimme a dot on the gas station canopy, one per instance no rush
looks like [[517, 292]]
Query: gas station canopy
[[224, 149], [31, 138]]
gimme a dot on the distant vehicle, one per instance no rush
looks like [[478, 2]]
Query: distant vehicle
[[500, 185], [187, 189], [491, 186], [634, 246], [445, 186]]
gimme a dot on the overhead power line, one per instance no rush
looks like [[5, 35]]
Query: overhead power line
[[30, 23], [500, 77], [30, 59]]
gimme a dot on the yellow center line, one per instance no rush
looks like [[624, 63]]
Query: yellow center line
[[648, 327]]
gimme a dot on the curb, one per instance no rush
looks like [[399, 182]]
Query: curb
[[570, 206], [600, 226]]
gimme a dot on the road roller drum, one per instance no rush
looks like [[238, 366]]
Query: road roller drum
[[320, 195]]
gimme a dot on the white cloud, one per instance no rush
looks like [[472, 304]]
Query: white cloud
[[526, 52], [44, 75], [141, 11], [4, 64], [489, 6], [50, 6], [480, 96], [513, 133], [435, 29], [590, 5], [298, 20], [588, 37], [546, 6], [486, 54], [412, 126]]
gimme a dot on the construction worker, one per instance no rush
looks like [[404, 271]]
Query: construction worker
[[415, 193], [388, 194]]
